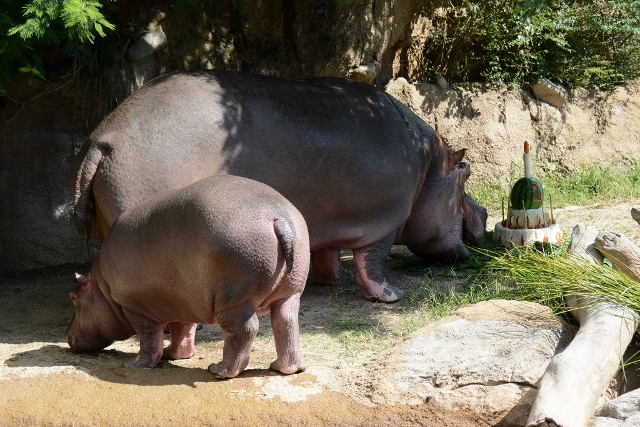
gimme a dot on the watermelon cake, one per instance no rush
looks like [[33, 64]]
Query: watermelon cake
[[527, 220]]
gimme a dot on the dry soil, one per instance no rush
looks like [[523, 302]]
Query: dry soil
[[43, 383]]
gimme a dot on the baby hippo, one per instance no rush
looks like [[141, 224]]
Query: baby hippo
[[224, 251]]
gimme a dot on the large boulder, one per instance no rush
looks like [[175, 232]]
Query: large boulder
[[485, 358], [622, 411]]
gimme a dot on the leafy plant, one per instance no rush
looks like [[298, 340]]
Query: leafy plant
[[516, 42], [39, 30]]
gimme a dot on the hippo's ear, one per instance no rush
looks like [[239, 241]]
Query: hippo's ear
[[457, 156], [83, 279]]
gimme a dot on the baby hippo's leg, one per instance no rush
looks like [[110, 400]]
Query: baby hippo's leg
[[183, 336], [239, 326], [284, 322], [151, 337]]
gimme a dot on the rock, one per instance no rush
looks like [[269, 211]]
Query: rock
[[404, 92], [635, 213], [623, 407], [605, 422], [441, 82], [633, 421], [146, 45], [365, 72], [534, 110], [486, 358], [551, 93]]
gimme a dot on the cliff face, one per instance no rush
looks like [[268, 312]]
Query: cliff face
[[41, 129], [592, 128], [294, 39]]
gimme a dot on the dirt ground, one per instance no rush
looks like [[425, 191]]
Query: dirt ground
[[43, 383]]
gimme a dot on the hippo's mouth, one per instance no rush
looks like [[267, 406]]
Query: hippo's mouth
[[73, 343], [80, 345], [443, 251]]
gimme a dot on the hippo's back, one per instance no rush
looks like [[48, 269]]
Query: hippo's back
[[338, 150], [202, 248]]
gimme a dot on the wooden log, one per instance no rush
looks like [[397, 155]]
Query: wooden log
[[575, 379], [622, 252]]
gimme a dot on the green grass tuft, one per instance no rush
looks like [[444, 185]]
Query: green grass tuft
[[549, 276], [606, 185]]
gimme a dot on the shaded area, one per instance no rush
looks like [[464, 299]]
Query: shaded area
[[42, 381]]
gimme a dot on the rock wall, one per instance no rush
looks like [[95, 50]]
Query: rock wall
[[592, 128], [359, 39], [41, 129], [38, 139]]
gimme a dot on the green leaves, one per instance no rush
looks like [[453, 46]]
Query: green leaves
[[509, 42], [26, 32], [83, 20]]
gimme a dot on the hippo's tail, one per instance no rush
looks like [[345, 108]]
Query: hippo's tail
[[287, 237], [82, 202]]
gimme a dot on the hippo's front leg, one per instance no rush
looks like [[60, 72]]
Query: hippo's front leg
[[239, 326], [286, 332], [183, 337], [151, 335], [368, 263]]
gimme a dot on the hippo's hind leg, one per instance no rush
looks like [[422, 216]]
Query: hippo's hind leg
[[151, 335], [183, 337], [368, 263], [284, 322], [326, 265], [239, 326]]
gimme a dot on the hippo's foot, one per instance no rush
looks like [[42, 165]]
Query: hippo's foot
[[386, 293], [288, 367], [286, 332], [368, 268], [150, 335], [239, 326], [141, 361], [222, 370], [183, 337], [171, 353]]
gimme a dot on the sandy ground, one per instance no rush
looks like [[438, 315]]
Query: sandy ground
[[43, 383]]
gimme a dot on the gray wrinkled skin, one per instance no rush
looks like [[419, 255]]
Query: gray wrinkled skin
[[223, 250], [362, 168]]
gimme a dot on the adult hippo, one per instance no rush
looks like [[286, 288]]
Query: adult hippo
[[362, 168]]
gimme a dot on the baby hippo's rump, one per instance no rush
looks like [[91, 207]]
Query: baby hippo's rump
[[223, 250]]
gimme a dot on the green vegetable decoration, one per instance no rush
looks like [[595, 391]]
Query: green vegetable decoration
[[527, 192]]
